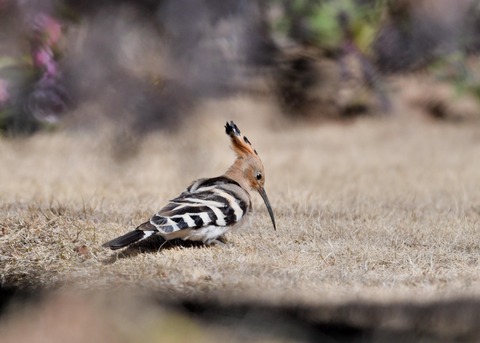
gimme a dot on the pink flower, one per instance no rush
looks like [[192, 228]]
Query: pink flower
[[43, 58], [50, 29]]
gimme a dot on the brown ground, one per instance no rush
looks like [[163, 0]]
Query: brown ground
[[377, 210]]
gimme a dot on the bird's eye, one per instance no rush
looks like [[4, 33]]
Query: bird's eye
[[259, 176]]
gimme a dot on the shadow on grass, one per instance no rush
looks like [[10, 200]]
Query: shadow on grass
[[155, 244]]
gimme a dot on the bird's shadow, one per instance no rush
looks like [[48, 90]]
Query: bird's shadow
[[154, 244]]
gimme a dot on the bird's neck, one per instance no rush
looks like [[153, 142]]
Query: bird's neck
[[235, 172]]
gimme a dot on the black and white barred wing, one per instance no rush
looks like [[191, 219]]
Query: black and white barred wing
[[203, 212], [218, 202]]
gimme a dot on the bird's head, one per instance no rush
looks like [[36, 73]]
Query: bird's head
[[248, 168]]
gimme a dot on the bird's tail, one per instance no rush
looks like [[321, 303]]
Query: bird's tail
[[143, 231]]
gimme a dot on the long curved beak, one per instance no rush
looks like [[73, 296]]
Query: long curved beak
[[267, 203]]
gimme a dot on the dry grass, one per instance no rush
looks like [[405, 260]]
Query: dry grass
[[376, 210]]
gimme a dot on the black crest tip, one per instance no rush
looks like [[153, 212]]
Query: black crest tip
[[231, 129]]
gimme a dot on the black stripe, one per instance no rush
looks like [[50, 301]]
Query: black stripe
[[199, 198], [167, 228], [242, 204], [219, 180], [126, 239], [171, 206], [219, 198], [211, 214], [161, 223], [158, 220], [191, 188], [230, 217], [192, 211], [181, 223], [198, 221]]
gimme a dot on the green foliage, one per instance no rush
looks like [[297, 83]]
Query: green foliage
[[328, 23], [325, 25], [460, 71]]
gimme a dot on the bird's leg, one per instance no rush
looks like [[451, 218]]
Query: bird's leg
[[221, 240]]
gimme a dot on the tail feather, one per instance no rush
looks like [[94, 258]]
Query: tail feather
[[131, 237]]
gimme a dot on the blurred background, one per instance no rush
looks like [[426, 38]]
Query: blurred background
[[136, 67], [147, 65]]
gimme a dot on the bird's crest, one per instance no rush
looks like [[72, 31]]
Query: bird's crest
[[240, 143]]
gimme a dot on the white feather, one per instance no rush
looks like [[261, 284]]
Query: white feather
[[233, 203], [207, 234]]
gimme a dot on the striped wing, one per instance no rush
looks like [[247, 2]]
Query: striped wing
[[218, 201]]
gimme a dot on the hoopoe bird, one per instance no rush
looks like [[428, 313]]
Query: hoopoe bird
[[209, 207]]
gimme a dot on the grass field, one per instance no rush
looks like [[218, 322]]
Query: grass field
[[375, 210]]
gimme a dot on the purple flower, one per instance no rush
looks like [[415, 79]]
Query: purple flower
[[43, 58]]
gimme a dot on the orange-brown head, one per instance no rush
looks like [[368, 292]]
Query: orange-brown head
[[247, 169]]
